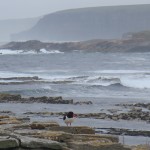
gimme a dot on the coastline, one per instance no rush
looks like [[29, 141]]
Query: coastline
[[107, 107]]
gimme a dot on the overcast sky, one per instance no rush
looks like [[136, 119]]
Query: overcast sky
[[10, 9]]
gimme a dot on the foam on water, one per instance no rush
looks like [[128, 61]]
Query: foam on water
[[136, 82], [21, 52], [133, 79]]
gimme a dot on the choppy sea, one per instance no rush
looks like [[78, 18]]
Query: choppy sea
[[103, 78]]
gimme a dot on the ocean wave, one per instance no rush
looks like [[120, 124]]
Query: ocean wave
[[131, 81], [121, 72], [115, 85], [21, 52], [141, 81]]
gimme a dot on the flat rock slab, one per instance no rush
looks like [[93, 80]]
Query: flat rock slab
[[43, 125], [96, 145], [74, 129], [7, 142], [35, 143], [89, 137]]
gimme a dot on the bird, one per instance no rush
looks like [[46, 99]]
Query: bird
[[69, 118]]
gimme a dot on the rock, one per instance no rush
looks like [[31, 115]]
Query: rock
[[114, 118], [9, 120], [24, 120], [83, 103], [88, 137], [30, 136], [141, 147], [74, 129], [8, 142], [36, 143], [18, 99], [43, 125], [26, 132], [53, 100], [4, 117], [6, 112], [94, 142], [102, 144], [58, 136], [9, 97], [22, 78], [135, 109], [113, 110]]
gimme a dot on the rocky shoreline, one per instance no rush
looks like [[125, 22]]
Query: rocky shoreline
[[18, 134], [9, 98], [134, 44], [21, 134], [21, 129]]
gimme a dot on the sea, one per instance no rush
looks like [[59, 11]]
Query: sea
[[105, 79]]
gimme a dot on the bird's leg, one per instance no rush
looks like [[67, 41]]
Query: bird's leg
[[70, 123]]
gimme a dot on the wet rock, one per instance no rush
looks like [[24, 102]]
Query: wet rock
[[27, 132], [113, 110], [9, 120], [7, 142], [58, 136], [43, 125], [18, 99], [72, 140], [4, 117], [88, 137], [120, 131], [115, 118], [22, 78], [9, 97], [24, 120], [102, 144], [83, 103], [6, 112], [21, 126], [141, 147], [74, 129], [135, 110], [36, 143]]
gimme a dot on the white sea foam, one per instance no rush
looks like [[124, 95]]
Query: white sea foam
[[50, 52], [134, 79], [10, 52], [120, 71], [19, 52], [135, 82]]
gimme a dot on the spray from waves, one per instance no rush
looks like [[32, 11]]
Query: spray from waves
[[132, 80], [25, 52]]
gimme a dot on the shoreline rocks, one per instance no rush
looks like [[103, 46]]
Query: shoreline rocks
[[133, 44], [20, 136], [6, 98], [121, 131], [12, 98]]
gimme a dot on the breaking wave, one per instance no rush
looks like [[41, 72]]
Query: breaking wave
[[129, 80], [21, 52]]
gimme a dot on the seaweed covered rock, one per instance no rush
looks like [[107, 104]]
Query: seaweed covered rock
[[9, 97]]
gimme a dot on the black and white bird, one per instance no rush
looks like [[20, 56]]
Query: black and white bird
[[69, 118]]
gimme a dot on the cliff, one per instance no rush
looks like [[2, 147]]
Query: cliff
[[107, 22]]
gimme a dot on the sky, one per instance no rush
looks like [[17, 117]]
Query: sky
[[12, 9]]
